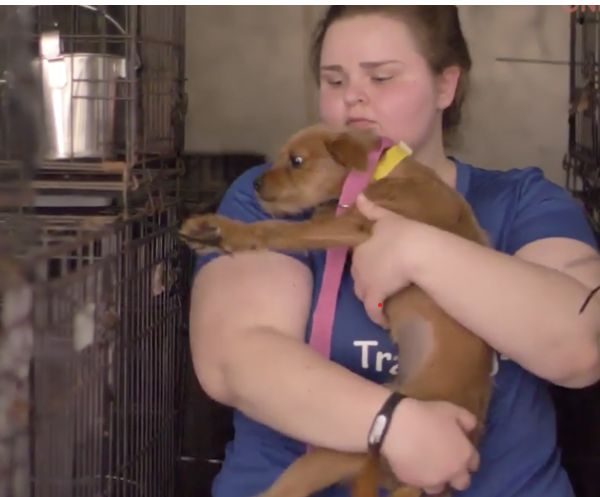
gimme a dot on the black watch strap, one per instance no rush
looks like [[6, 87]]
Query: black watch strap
[[588, 298], [381, 422]]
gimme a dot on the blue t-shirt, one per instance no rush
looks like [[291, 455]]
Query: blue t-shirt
[[519, 453]]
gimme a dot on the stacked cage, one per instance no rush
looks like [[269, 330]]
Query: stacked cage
[[112, 85], [94, 282], [582, 161]]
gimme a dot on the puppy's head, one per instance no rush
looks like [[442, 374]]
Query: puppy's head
[[311, 167]]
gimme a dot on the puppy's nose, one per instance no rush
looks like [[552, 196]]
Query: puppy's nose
[[257, 183]]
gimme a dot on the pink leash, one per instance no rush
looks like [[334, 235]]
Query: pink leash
[[323, 317]]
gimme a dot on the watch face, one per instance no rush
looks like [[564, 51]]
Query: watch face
[[376, 431]]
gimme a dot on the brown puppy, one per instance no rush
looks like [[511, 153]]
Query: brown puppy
[[438, 358]]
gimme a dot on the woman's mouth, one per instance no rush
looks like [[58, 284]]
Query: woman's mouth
[[360, 122]]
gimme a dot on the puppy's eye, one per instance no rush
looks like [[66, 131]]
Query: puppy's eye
[[296, 160]]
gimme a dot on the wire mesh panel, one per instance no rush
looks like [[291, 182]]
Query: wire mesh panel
[[162, 59], [75, 292], [152, 355], [582, 162], [208, 175], [109, 358]]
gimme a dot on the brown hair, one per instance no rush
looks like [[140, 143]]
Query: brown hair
[[437, 31]]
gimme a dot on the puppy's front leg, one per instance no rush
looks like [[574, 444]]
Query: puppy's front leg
[[212, 232]]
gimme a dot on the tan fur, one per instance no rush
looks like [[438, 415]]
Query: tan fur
[[440, 359]]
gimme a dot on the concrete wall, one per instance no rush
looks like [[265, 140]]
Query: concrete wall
[[247, 76], [516, 114], [249, 87]]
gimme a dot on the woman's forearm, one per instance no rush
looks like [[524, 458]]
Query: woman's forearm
[[280, 382], [526, 311]]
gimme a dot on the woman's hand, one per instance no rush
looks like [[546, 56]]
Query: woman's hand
[[379, 265], [427, 446]]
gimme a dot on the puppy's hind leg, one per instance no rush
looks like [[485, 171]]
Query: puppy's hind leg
[[408, 492], [315, 471]]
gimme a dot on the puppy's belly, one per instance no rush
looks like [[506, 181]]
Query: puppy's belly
[[415, 340]]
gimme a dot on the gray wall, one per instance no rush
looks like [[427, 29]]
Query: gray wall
[[249, 88]]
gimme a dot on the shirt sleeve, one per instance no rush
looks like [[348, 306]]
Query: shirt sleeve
[[546, 210], [239, 203]]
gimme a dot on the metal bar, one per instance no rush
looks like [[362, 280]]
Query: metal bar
[[83, 97], [108, 38], [541, 61], [114, 39], [101, 185], [78, 185], [97, 166], [104, 167], [131, 115]]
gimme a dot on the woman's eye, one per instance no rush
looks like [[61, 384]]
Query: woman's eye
[[296, 160], [331, 79], [381, 79]]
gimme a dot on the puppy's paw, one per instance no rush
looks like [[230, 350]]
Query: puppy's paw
[[214, 233], [203, 233]]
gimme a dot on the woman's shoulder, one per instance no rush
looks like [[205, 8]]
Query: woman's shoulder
[[517, 186], [521, 205], [511, 177], [241, 189]]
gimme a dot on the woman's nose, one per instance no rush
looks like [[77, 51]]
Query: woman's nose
[[354, 94]]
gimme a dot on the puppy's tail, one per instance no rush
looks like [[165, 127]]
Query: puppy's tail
[[366, 483]]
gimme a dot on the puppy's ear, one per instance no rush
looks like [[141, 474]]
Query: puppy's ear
[[351, 148]]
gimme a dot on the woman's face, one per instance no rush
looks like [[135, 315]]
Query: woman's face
[[372, 75]]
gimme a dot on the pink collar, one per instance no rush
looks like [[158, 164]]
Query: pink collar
[[324, 314]]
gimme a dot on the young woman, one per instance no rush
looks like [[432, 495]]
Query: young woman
[[402, 70]]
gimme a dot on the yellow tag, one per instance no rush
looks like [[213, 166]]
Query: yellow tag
[[390, 160]]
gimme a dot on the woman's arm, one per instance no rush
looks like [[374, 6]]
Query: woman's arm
[[248, 317], [525, 306]]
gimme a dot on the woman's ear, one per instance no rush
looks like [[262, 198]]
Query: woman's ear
[[447, 83], [351, 148]]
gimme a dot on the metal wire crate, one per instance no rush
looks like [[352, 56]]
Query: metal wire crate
[[91, 331], [109, 359], [582, 161], [208, 175], [578, 411], [112, 80]]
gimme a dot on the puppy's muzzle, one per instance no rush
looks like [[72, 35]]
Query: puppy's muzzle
[[257, 183]]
